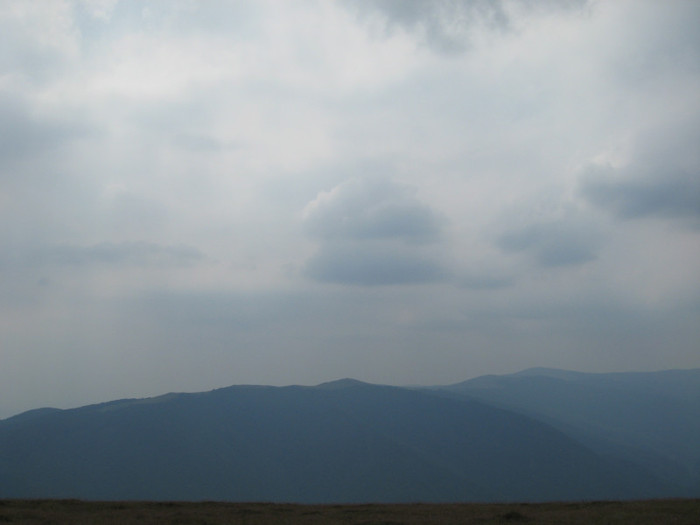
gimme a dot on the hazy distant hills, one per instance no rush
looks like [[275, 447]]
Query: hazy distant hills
[[652, 419], [535, 436]]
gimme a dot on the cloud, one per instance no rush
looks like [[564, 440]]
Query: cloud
[[485, 281], [557, 243], [372, 231], [38, 40], [443, 25], [658, 178], [372, 265], [181, 149], [24, 133], [447, 26], [670, 195], [370, 208]]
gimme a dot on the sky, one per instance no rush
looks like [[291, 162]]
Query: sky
[[195, 194]]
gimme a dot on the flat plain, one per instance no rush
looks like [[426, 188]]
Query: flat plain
[[651, 512]]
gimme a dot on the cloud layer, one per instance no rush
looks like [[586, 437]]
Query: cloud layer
[[195, 194]]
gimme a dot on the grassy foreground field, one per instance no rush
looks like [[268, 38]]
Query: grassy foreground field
[[657, 512]]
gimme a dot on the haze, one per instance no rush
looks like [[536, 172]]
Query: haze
[[199, 194]]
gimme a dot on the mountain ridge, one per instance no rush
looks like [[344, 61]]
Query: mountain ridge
[[652, 418], [339, 441]]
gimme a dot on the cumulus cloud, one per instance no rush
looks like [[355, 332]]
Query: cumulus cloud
[[371, 231], [659, 178], [671, 195], [675, 196], [563, 242], [370, 208]]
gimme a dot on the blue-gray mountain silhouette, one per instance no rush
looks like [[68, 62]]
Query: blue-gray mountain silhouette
[[652, 418], [343, 441]]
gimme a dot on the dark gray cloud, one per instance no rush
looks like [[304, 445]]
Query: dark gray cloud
[[671, 195], [443, 24], [371, 208], [557, 243], [371, 265], [447, 26]]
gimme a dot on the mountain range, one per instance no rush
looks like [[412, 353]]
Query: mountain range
[[538, 435]]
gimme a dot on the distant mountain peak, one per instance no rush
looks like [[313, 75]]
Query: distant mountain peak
[[548, 372], [339, 384], [37, 412]]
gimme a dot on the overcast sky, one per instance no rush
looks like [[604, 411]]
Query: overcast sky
[[199, 194]]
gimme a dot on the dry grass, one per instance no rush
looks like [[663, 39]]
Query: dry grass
[[656, 512]]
